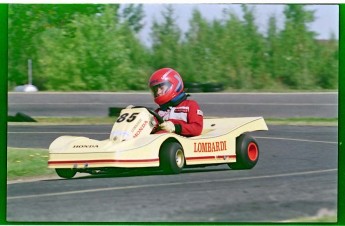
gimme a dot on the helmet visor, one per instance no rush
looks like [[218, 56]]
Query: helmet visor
[[160, 88]]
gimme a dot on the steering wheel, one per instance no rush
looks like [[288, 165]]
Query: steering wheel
[[152, 112]]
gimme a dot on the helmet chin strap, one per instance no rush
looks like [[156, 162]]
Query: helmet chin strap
[[175, 101]]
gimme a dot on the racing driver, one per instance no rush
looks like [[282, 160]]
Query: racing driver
[[181, 115]]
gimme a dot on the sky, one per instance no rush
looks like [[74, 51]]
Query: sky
[[326, 22]]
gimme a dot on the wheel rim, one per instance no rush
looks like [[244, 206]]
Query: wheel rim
[[253, 151], [179, 158]]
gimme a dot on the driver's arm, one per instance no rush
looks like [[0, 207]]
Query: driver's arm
[[194, 124]]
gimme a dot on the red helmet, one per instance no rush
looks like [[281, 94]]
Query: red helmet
[[165, 85]]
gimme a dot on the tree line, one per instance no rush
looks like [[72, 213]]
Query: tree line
[[97, 47]]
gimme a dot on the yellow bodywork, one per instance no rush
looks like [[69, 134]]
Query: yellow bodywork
[[216, 144]]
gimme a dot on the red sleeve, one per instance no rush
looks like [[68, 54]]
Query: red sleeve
[[194, 124]]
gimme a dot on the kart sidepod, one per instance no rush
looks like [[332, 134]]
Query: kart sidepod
[[131, 145]]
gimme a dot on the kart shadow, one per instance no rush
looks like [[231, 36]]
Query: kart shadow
[[144, 172]]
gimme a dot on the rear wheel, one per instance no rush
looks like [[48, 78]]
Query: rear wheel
[[66, 173], [171, 158], [247, 153]]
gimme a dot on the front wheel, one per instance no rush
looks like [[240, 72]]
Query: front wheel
[[171, 158], [66, 173], [247, 153]]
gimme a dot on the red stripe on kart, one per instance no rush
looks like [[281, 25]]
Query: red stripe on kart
[[211, 157], [103, 161]]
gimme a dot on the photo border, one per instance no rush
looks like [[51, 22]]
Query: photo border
[[4, 107]]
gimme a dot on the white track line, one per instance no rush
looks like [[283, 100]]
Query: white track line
[[172, 184], [301, 140]]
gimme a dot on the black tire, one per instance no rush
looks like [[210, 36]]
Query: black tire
[[66, 173], [247, 152], [171, 157]]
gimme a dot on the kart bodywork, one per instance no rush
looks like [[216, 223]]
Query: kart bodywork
[[131, 145]]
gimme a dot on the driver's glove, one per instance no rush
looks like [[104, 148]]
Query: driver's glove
[[167, 126]]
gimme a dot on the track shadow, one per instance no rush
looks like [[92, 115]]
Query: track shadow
[[139, 173]]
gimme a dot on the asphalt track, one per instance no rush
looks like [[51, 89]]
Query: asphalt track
[[296, 176], [277, 105]]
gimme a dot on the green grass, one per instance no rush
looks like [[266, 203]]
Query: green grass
[[27, 163], [321, 219], [111, 120], [76, 120], [303, 121]]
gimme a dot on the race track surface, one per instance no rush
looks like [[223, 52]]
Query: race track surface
[[296, 176], [277, 105]]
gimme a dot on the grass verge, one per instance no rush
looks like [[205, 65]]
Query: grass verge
[[76, 120], [27, 163], [317, 219], [111, 120], [303, 121]]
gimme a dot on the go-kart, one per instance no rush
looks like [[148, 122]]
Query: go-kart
[[132, 144]]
